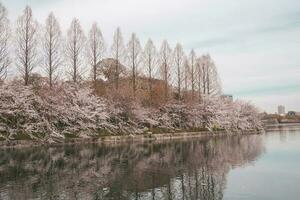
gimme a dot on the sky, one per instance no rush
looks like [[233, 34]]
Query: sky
[[254, 43]]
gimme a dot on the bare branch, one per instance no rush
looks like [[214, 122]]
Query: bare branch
[[208, 76], [165, 65], [74, 50], [117, 52], [134, 53], [27, 42], [52, 46], [96, 49], [178, 56], [150, 62], [192, 62], [4, 43]]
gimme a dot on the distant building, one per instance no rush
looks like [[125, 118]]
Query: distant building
[[291, 113], [281, 110], [227, 97]]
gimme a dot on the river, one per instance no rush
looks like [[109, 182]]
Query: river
[[249, 167]]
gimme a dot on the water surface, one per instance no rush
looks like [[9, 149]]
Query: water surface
[[248, 167]]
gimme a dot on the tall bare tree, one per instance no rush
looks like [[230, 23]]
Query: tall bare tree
[[27, 41], [96, 49], [192, 61], [204, 65], [117, 52], [150, 62], [178, 56], [199, 72], [4, 43], [211, 84], [165, 65], [52, 46], [134, 51], [186, 73], [214, 87], [74, 50]]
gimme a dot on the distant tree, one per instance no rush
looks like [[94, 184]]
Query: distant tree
[[192, 62], [4, 42], [165, 66], [199, 73], [117, 52], [74, 50], [134, 51], [204, 63], [96, 49], [52, 46], [210, 78], [186, 73], [27, 43], [150, 63], [178, 56], [214, 87]]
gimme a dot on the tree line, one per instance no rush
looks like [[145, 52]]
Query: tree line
[[178, 75]]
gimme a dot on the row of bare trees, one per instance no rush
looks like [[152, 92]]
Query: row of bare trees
[[177, 71], [4, 46]]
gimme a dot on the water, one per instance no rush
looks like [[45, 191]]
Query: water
[[228, 167]]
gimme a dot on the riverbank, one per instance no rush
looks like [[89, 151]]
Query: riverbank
[[125, 138], [280, 119], [72, 111]]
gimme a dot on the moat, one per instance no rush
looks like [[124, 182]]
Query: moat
[[264, 166]]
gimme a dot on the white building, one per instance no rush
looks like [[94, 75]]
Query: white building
[[281, 110]]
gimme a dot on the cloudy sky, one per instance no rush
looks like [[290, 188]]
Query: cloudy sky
[[255, 43]]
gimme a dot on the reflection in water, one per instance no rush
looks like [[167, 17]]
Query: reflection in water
[[284, 130], [192, 169]]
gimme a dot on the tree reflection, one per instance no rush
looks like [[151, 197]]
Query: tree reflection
[[191, 169]]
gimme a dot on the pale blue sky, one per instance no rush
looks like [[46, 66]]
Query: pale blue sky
[[255, 43]]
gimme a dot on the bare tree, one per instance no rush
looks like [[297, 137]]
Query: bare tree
[[150, 62], [214, 87], [203, 72], [178, 56], [134, 51], [165, 64], [4, 43], [96, 49], [27, 40], [74, 50], [186, 73], [192, 61], [52, 45], [210, 79], [117, 51], [199, 73]]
